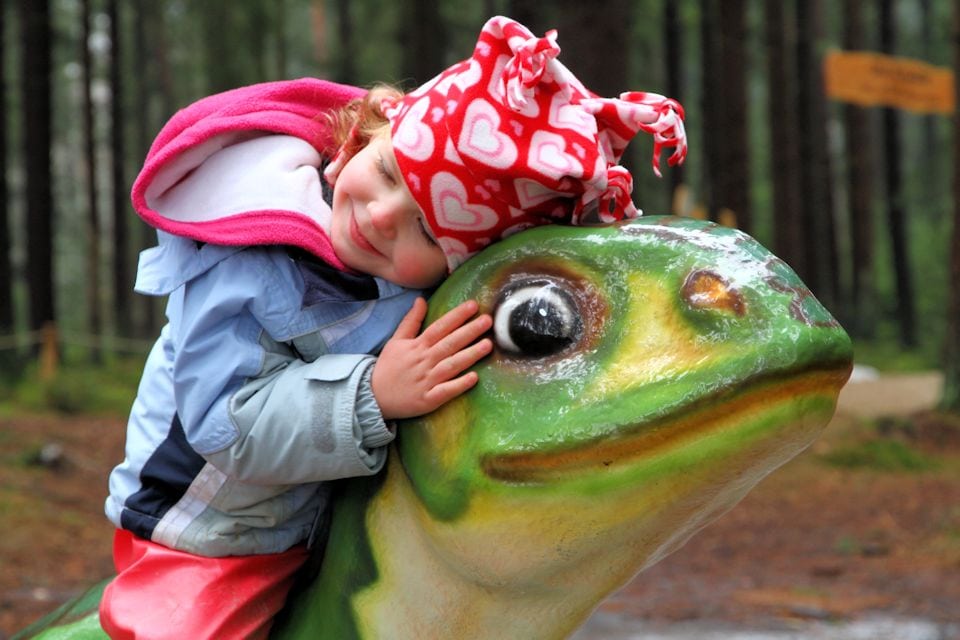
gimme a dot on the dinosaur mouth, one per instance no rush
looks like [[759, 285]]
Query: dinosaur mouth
[[652, 439]]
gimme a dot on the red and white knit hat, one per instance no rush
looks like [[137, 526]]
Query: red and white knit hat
[[509, 139]]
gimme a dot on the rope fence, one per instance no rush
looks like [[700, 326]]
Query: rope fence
[[50, 339], [28, 339]]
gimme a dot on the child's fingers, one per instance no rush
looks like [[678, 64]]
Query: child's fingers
[[462, 360], [447, 391], [450, 321], [462, 336], [409, 327]]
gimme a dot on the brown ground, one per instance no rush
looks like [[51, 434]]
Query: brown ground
[[812, 541]]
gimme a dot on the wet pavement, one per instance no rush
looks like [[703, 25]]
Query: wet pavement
[[609, 626]]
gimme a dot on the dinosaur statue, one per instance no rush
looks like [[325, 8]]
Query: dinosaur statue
[[646, 376]]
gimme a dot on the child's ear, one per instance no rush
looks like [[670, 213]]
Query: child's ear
[[335, 167], [348, 149]]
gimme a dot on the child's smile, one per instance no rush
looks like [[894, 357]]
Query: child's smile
[[359, 239], [377, 227]]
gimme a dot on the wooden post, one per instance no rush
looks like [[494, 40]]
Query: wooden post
[[49, 351]]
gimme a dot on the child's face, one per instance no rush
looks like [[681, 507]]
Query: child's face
[[377, 227]]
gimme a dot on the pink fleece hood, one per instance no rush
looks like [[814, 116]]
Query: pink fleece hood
[[214, 176]]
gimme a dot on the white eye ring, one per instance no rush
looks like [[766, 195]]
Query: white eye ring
[[545, 293]]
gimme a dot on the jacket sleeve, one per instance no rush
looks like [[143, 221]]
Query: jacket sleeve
[[307, 422], [249, 404]]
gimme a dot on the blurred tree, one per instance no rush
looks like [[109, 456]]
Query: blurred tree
[[346, 68], [822, 264], [673, 59], [94, 318], [35, 58], [532, 14], [896, 216], [121, 275], [6, 267], [928, 39], [860, 190], [951, 352], [235, 36], [280, 45], [222, 25], [594, 48], [733, 176], [160, 79], [784, 136], [422, 40], [153, 77], [709, 104]]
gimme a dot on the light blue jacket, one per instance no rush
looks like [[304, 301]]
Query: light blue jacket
[[256, 394]]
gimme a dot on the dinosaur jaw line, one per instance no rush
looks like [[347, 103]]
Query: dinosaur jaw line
[[648, 441]]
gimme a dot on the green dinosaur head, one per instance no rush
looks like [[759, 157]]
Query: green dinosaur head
[[646, 376]]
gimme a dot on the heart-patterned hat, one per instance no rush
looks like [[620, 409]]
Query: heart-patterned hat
[[509, 139]]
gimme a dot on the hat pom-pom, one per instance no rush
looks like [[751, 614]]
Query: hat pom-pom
[[663, 119], [616, 203], [525, 70], [641, 111]]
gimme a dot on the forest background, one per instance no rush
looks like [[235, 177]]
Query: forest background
[[858, 200]]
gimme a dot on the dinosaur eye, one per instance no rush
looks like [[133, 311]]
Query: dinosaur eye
[[536, 319]]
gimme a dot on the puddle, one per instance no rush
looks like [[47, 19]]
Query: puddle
[[607, 626]]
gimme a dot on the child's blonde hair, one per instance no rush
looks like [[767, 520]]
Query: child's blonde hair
[[354, 125]]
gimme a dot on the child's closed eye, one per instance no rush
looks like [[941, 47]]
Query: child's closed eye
[[426, 233], [383, 171]]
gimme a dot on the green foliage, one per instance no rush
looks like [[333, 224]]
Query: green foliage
[[885, 354], [880, 455], [78, 388]]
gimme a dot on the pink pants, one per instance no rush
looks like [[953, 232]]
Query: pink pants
[[164, 593]]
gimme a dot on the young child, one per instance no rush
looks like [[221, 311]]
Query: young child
[[262, 388]]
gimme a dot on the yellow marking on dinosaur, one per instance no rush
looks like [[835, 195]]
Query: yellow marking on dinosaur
[[657, 344]]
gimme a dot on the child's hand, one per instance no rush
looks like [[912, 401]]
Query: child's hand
[[416, 374]]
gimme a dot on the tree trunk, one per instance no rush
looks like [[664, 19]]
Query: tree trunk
[[423, 41], [94, 319], [788, 228], [709, 107], [896, 216], [673, 44], [532, 14], [933, 168], [225, 64], [346, 70], [815, 178], [951, 363], [36, 66], [733, 154], [122, 278], [151, 72], [6, 267], [592, 48], [859, 155], [280, 44]]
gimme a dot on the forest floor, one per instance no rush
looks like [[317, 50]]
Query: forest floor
[[816, 543]]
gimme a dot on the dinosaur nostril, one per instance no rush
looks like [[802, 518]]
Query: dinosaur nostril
[[705, 289]]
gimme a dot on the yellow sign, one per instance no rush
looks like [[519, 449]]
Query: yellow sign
[[873, 79]]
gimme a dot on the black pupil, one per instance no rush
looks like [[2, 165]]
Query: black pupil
[[537, 328]]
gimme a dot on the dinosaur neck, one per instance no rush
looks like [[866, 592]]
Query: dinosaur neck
[[384, 577], [418, 594]]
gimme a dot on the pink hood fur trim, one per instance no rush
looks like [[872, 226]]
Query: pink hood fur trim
[[198, 131]]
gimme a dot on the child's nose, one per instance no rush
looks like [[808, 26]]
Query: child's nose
[[385, 215]]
